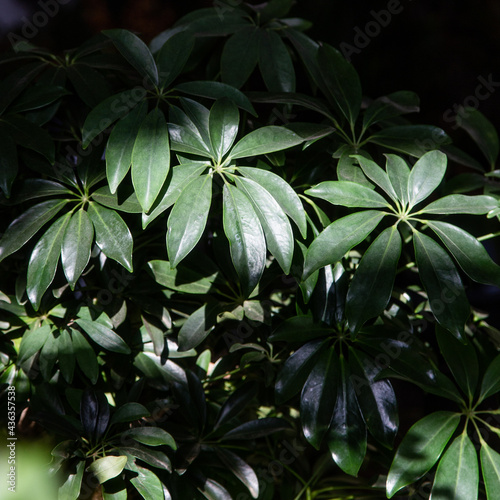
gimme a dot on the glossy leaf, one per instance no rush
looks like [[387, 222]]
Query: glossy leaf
[[107, 467], [457, 475], [31, 189], [103, 336], [43, 261], [461, 359], [371, 286], [377, 175], [390, 106], [277, 229], [338, 238], [347, 194], [32, 341], [349, 170], [152, 436], [318, 397], [121, 144], [70, 489], [299, 329], [155, 458], [85, 356], [135, 51], [258, 428], [150, 158], [425, 176], [173, 55], [462, 204], [491, 380], [347, 435], [398, 173], [66, 356], [112, 235], [265, 140], [128, 204], [8, 162], [282, 192], [129, 412], [188, 218], [468, 252], [442, 283], [240, 469], [275, 63], [90, 85], [223, 126], [246, 237], [236, 402], [76, 246], [420, 449], [198, 326], [376, 398], [147, 484], [48, 356], [341, 80], [490, 466]]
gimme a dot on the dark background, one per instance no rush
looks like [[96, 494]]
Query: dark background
[[439, 49]]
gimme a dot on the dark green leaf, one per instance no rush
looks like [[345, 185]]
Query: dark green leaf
[[490, 465], [70, 489], [347, 194], [389, 106], [265, 140], [188, 218], [8, 162], [457, 475], [85, 356], [48, 356], [347, 435], [462, 204], [37, 96], [299, 329], [32, 341], [103, 336], [152, 436], [66, 356], [115, 201], [121, 144], [338, 238], [246, 237], [420, 449], [223, 126], [107, 467], [371, 286], [129, 412], [398, 173], [275, 62], [277, 230], [377, 175], [173, 56], [136, 52], [491, 380], [318, 397], [31, 189], [76, 246], [442, 283], [198, 326], [112, 234], [425, 176], [349, 170], [43, 261], [150, 158], [240, 469], [90, 85], [282, 193], [257, 428], [235, 403]]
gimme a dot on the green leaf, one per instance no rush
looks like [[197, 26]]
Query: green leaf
[[152, 436], [90, 85], [128, 204], [121, 144], [155, 458], [349, 170], [48, 356], [347, 435], [277, 229], [8, 162], [43, 261], [66, 356], [414, 140], [112, 235], [107, 467], [461, 204], [257, 428], [341, 80], [425, 176], [457, 475], [265, 140], [85, 356], [240, 469], [275, 62], [246, 237], [491, 380], [70, 489], [376, 398], [318, 396], [129, 412], [236, 402], [390, 106], [223, 126], [347, 194], [461, 359], [173, 55], [371, 286], [32, 341], [377, 175], [136, 52], [398, 173], [490, 465], [442, 283], [147, 484], [31, 189], [198, 326], [481, 130], [235, 70], [217, 90], [150, 158], [470, 254], [299, 329], [108, 111], [76, 246], [103, 336], [420, 449], [282, 192], [338, 238], [188, 218]]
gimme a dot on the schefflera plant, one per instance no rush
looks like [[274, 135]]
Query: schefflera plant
[[405, 189]]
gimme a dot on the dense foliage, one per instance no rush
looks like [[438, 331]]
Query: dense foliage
[[224, 266]]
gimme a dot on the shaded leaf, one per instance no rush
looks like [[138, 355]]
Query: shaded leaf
[[85, 356], [198, 326], [173, 55], [490, 465], [223, 126]]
